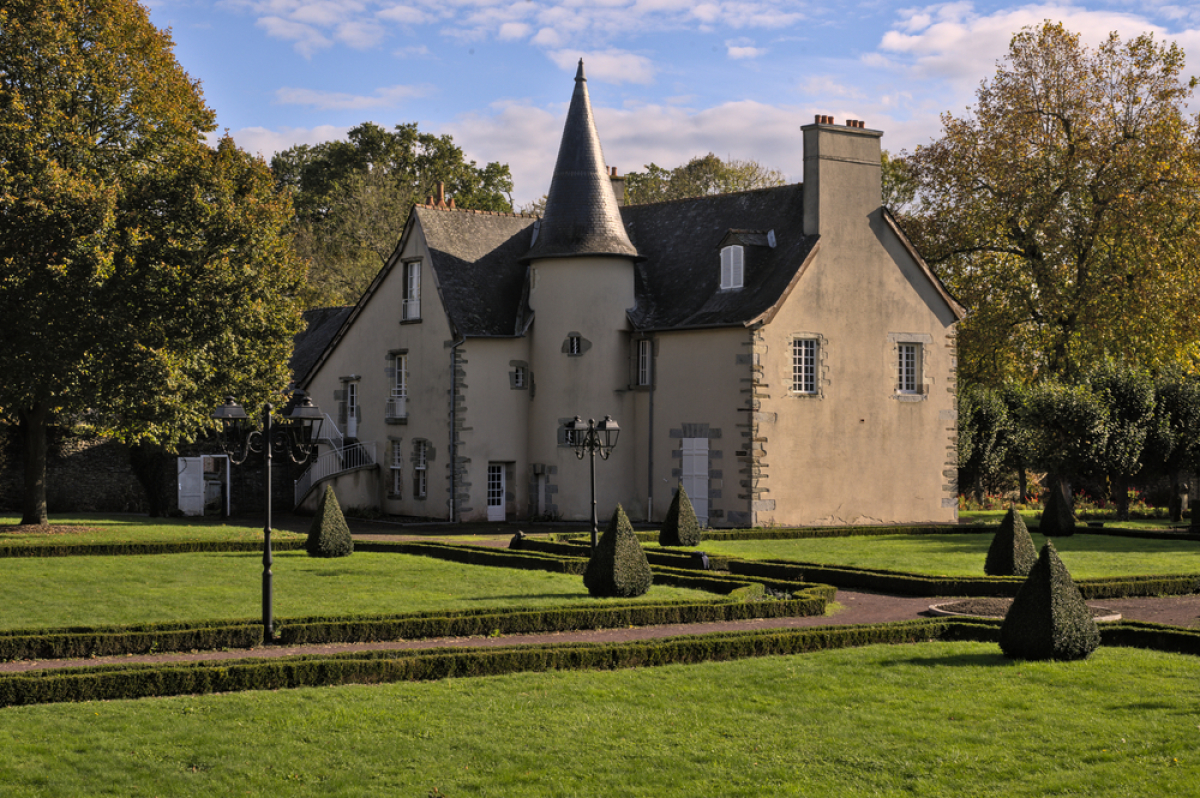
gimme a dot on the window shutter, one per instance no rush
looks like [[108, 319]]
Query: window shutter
[[726, 268], [737, 267]]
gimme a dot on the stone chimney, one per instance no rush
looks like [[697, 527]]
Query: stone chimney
[[842, 177], [618, 184]]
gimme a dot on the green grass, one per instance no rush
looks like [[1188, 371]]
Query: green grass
[[108, 528], [938, 719], [69, 591], [963, 554]]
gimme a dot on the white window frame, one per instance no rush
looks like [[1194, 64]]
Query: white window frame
[[733, 267], [397, 469], [398, 401], [645, 360], [518, 376], [574, 345], [420, 469], [411, 309], [806, 366], [908, 368]]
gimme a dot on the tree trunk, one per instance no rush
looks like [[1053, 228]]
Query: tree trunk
[[33, 449], [1120, 487], [1022, 481], [154, 468]]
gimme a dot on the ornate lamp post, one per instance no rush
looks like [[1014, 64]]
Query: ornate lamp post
[[591, 438], [294, 434]]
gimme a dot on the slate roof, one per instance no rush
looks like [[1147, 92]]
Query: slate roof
[[679, 283], [320, 326], [582, 215], [476, 258]]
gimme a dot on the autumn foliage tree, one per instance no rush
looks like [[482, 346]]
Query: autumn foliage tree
[[143, 273], [1063, 210]]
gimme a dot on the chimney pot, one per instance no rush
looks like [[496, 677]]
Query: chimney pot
[[452, 203], [441, 194]]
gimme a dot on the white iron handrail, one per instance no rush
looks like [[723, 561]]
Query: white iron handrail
[[332, 463], [397, 407]]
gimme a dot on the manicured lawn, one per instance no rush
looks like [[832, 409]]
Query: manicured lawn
[[107, 528], [963, 554], [937, 719], [71, 591]]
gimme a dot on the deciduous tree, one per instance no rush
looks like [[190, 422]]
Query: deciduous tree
[[353, 198], [1063, 210], [142, 272], [702, 176]]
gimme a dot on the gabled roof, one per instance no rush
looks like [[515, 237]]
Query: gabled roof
[[679, 283], [582, 215], [320, 326], [476, 260]]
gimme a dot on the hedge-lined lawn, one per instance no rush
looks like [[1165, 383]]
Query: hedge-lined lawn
[[106, 528], [73, 591], [936, 719], [963, 554]]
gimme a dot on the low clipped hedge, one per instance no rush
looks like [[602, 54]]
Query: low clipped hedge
[[906, 584], [108, 682], [103, 641], [144, 547]]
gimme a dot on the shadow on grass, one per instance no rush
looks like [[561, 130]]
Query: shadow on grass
[[568, 595], [968, 660]]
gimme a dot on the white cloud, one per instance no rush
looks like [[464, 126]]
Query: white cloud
[[610, 66], [360, 35], [738, 53], [387, 97], [510, 31], [307, 38], [412, 51], [823, 86], [266, 142], [405, 15], [549, 37]]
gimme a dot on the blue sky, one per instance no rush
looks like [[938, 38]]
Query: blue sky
[[669, 79]]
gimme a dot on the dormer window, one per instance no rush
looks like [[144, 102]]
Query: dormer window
[[732, 267]]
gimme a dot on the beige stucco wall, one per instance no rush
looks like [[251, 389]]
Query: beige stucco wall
[[702, 379], [363, 352], [589, 296], [494, 416], [859, 453]]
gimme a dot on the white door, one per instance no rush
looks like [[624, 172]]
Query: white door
[[352, 410], [190, 471], [695, 476], [495, 492]]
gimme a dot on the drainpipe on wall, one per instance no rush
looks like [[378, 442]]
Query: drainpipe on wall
[[650, 445], [453, 429]]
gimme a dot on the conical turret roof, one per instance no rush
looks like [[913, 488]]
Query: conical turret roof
[[582, 216]]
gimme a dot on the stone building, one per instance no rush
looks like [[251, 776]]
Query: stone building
[[783, 353]]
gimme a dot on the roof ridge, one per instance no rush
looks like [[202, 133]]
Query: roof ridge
[[478, 212], [713, 196]]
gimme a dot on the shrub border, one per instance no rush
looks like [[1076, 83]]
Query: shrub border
[[109, 682]]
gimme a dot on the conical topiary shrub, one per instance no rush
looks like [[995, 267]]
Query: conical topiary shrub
[[1056, 519], [328, 535], [618, 566], [681, 527], [1012, 552], [1049, 619]]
